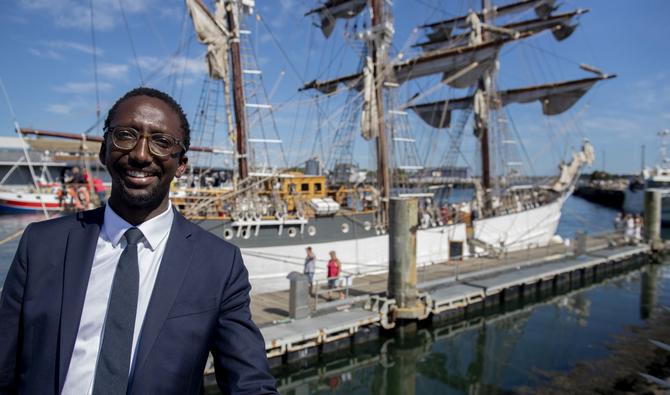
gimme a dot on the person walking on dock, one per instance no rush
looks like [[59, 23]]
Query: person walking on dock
[[638, 228], [334, 269], [310, 268], [618, 224], [630, 228]]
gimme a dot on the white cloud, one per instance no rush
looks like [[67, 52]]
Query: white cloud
[[77, 13], [74, 46], [62, 109], [45, 53], [82, 87], [113, 71], [58, 49], [172, 65]]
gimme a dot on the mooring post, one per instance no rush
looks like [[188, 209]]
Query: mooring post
[[652, 216], [298, 301], [403, 223]]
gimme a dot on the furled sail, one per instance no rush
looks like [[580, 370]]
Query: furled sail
[[211, 31], [560, 25], [449, 62], [337, 9], [555, 98], [370, 113], [442, 30]]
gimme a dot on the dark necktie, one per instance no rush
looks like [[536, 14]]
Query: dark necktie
[[111, 374]]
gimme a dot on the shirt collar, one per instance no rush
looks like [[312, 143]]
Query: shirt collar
[[154, 230]]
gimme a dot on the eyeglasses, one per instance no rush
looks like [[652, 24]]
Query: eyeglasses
[[160, 144]]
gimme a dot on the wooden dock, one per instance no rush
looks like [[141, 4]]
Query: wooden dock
[[447, 290], [272, 307]]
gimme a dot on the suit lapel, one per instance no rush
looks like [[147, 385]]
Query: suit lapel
[[81, 244], [174, 266]]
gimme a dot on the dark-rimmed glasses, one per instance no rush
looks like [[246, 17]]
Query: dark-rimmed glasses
[[160, 144]]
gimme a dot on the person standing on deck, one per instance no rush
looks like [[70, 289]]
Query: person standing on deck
[[310, 268]]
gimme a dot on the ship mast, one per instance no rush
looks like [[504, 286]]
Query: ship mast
[[481, 123], [238, 92], [379, 52]]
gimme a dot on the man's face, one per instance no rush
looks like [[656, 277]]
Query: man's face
[[139, 178]]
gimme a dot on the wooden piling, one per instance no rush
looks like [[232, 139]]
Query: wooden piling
[[403, 222], [652, 216]]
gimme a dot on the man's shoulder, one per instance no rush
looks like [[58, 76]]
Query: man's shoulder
[[67, 222], [208, 239]]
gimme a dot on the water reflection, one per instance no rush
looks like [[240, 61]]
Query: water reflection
[[649, 290], [495, 353], [11, 227]]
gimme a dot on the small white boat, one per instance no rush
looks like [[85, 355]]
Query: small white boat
[[657, 177]]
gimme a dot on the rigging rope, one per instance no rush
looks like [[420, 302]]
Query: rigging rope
[[132, 44], [95, 65], [281, 49]]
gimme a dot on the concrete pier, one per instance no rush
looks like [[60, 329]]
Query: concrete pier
[[482, 284], [403, 222]]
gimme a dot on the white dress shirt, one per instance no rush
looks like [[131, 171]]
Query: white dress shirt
[[111, 243]]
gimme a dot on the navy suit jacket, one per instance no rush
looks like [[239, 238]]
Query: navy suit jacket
[[200, 303]]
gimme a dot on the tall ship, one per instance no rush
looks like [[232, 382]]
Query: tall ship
[[274, 213], [443, 82]]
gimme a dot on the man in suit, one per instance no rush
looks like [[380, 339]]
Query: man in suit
[[130, 298]]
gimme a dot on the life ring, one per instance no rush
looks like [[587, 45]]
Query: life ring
[[84, 198], [73, 199]]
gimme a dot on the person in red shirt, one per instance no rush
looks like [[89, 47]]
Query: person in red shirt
[[334, 268], [99, 187]]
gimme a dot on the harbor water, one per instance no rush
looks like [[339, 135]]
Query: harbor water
[[526, 347], [523, 348]]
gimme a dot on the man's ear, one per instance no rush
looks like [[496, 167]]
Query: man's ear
[[183, 164], [102, 155]]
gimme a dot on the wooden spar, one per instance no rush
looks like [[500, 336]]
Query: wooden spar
[[97, 139], [482, 130], [379, 60], [238, 93]]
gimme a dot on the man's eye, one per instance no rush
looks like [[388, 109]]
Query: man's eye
[[123, 134], [161, 141]]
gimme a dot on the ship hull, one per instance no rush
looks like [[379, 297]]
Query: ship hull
[[270, 255], [13, 202]]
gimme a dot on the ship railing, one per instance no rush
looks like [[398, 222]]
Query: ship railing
[[343, 284]]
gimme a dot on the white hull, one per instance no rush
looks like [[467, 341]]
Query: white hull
[[269, 266]]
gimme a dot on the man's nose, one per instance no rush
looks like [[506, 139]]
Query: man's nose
[[141, 153]]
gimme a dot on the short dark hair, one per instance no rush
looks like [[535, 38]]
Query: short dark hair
[[160, 95]]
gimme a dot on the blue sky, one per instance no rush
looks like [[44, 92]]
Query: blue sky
[[47, 68]]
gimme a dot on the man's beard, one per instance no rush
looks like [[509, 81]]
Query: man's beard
[[150, 198]]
